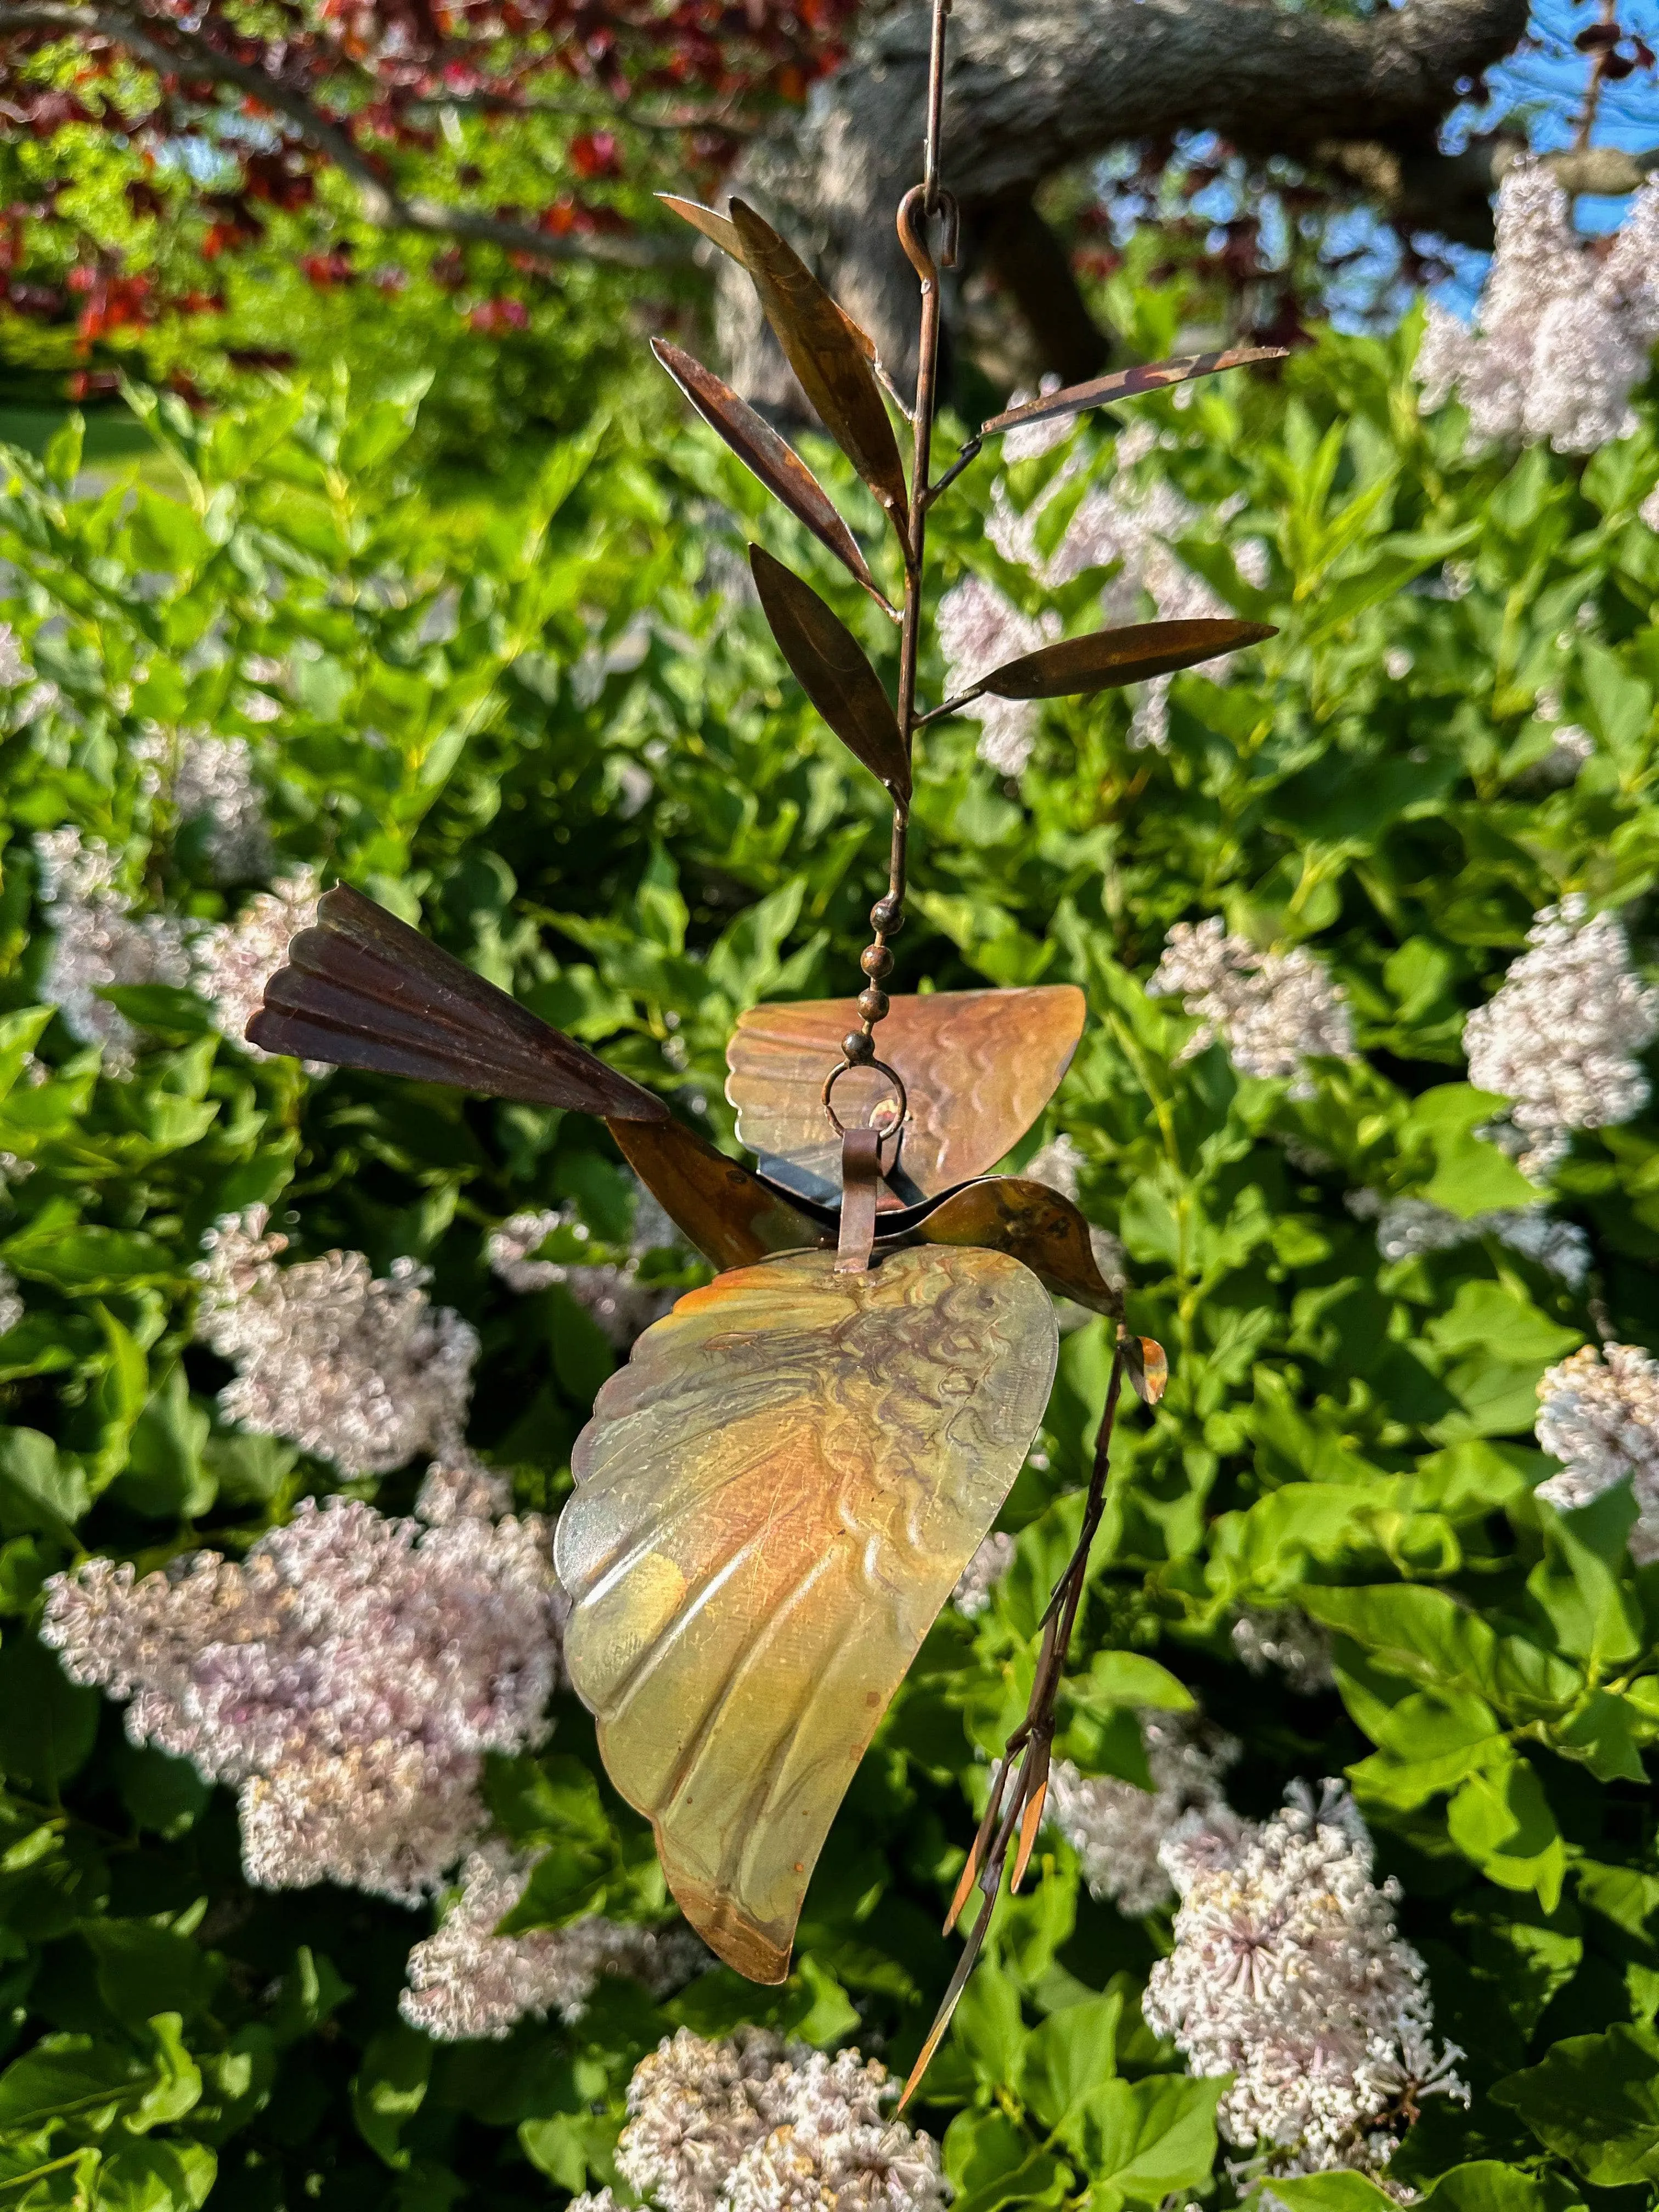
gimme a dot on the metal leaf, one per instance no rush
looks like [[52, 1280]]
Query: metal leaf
[[773, 1501], [719, 230], [715, 227], [1106, 658], [363, 989], [1124, 384], [830, 667], [759, 447], [1038, 1227], [1148, 1367], [833, 370]]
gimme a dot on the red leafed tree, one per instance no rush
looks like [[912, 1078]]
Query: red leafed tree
[[228, 114]]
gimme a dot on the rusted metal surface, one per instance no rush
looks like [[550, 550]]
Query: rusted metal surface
[[772, 1500], [979, 1068], [1075, 665], [729, 1215], [829, 664], [1038, 1226], [1019, 1783], [861, 1180], [832, 369], [720, 230], [1125, 383], [363, 989], [777, 465]]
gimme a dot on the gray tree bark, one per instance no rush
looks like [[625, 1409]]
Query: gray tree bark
[[1034, 85]]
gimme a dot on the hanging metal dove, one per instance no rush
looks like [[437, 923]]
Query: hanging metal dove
[[774, 1497]]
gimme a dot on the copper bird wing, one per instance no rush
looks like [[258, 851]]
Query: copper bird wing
[[731, 1216], [773, 1501], [361, 989], [979, 1068]]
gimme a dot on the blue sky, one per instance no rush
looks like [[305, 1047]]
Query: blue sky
[[1542, 88]]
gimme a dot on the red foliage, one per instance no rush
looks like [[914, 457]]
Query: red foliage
[[596, 154], [494, 318], [371, 73], [326, 270], [113, 303]]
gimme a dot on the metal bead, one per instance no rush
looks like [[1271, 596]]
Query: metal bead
[[876, 961], [857, 1049], [887, 916], [872, 1004]]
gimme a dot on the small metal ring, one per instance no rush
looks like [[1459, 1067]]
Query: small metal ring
[[879, 1067]]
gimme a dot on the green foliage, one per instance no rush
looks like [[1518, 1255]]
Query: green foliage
[[555, 733]]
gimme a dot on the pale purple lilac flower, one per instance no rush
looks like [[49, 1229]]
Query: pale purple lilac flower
[[1598, 1413], [358, 1370], [1288, 1974], [97, 942], [1559, 1035], [979, 631], [1117, 1829], [1563, 330], [1271, 1010], [1299, 1649], [1407, 1228], [211, 779], [347, 1678], [467, 1983], [231, 962], [754, 2124], [624, 1306], [979, 1578]]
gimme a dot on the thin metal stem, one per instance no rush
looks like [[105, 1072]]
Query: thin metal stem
[[918, 204], [950, 706], [969, 452], [935, 106], [1020, 1813]]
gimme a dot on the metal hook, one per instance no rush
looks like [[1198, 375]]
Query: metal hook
[[913, 232]]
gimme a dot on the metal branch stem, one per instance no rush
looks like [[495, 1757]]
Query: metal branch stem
[[1020, 1811], [923, 202]]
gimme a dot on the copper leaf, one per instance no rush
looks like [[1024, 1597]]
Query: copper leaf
[[830, 667], [755, 442], [833, 370], [1124, 384], [1109, 657], [719, 230], [715, 226]]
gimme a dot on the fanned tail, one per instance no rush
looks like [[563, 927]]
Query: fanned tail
[[363, 989]]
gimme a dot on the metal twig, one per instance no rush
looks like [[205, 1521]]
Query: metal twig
[[1032, 1742]]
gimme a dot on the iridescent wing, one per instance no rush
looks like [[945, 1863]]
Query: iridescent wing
[[773, 1501], [979, 1068]]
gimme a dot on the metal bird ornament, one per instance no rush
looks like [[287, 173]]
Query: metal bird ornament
[[775, 1497]]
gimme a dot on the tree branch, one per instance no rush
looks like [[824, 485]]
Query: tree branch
[[506, 103], [1036, 86], [182, 51], [1033, 267]]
